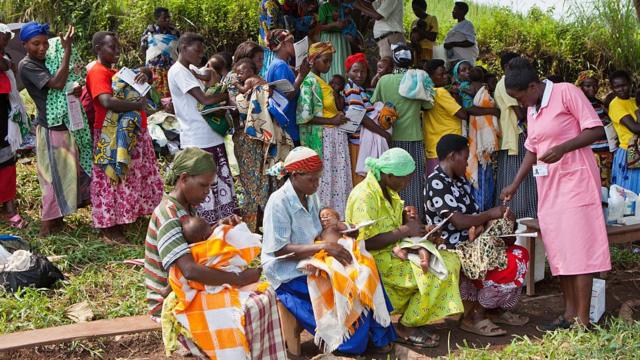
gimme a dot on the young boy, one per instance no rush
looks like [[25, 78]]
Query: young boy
[[424, 32]]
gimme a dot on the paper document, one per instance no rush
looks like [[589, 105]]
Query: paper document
[[283, 85], [74, 106], [355, 117], [358, 226], [217, 109], [612, 137], [128, 76], [302, 50]]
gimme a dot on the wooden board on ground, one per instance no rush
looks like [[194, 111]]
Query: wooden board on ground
[[66, 333]]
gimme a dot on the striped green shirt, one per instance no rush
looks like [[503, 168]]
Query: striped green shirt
[[164, 244]]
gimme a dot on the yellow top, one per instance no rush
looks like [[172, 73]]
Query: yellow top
[[508, 119], [617, 110], [432, 26], [440, 121], [329, 108]]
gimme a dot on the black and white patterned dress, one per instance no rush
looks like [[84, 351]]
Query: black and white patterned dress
[[443, 196]]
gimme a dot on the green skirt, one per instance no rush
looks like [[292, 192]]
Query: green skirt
[[343, 50]]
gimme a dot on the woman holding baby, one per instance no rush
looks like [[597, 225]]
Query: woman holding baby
[[206, 279], [291, 225]]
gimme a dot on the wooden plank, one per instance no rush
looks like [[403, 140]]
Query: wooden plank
[[66, 333]]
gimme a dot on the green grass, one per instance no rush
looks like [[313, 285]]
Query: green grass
[[614, 340]]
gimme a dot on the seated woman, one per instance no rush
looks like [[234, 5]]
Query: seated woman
[[192, 174], [419, 296], [447, 191], [291, 224]]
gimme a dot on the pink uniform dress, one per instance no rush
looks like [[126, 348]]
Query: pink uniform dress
[[569, 201]]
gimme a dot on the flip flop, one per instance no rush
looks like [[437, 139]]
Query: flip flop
[[429, 334], [484, 328], [509, 318], [418, 341], [17, 222], [559, 323]]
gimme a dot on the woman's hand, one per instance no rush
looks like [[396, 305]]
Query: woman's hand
[[553, 155], [507, 193], [141, 78], [497, 212], [249, 276], [339, 119], [77, 91], [232, 220], [337, 251], [475, 231], [413, 228], [509, 215], [67, 39]]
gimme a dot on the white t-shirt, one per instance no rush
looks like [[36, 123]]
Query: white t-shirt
[[462, 31], [194, 130], [392, 12]]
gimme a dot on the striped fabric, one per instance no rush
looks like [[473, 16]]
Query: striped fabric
[[413, 195], [525, 202], [341, 295], [163, 245], [214, 315], [262, 327], [355, 96]]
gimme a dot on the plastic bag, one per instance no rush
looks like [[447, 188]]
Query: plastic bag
[[41, 274], [619, 195]]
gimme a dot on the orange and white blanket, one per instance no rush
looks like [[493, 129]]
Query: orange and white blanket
[[214, 315], [483, 136], [341, 294]]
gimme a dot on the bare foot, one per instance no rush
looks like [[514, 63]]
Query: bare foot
[[400, 252], [49, 227], [113, 235]]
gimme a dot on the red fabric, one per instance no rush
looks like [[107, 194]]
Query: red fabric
[[98, 83], [355, 58], [514, 273], [7, 183], [308, 165], [5, 84]]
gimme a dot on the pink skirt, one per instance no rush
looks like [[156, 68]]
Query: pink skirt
[[137, 195]]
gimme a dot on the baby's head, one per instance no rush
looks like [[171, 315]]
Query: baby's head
[[219, 64], [329, 217], [195, 229], [245, 68], [385, 66], [337, 83]]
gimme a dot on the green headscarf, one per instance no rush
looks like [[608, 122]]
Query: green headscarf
[[395, 161], [192, 161]]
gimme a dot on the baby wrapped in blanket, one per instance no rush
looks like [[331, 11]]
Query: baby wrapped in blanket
[[341, 294]]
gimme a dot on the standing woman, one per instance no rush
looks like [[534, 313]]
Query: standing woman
[[159, 44], [513, 128], [187, 92], [271, 17], [623, 111], [562, 125], [249, 151], [332, 21], [122, 201], [318, 118], [355, 96], [59, 172]]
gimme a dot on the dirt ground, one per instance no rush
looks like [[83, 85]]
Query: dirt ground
[[621, 286]]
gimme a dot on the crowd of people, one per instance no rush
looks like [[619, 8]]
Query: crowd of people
[[443, 145]]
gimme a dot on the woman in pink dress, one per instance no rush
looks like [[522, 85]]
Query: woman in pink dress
[[562, 124]]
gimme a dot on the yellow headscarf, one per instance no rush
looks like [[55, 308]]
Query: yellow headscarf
[[320, 48]]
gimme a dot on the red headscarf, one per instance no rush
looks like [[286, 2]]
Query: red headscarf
[[355, 58]]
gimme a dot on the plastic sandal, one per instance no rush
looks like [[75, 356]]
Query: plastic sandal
[[17, 222]]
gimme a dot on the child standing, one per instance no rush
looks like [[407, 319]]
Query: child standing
[[424, 32]]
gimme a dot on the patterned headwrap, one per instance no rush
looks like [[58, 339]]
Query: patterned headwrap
[[33, 29], [401, 55], [193, 161], [395, 161], [354, 59], [277, 37], [320, 48], [584, 75], [300, 160]]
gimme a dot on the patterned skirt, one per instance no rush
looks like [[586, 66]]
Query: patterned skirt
[[604, 159], [255, 186], [621, 175], [63, 183], [525, 202], [221, 201], [499, 288], [135, 196], [414, 193], [160, 80], [335, 183]]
